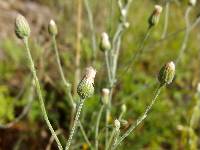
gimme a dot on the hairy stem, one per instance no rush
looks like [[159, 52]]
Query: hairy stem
[[166, 23], [75, 124], [67, 84], [97, 127], [38, 88], [141, 119]]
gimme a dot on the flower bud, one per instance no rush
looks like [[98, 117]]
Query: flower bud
[[52, 28], [22, 29], [117, 125], [105, 42], [85, 88], [105, 96], [123, 108], [192, 2], [155, 16], [166, 74], [198, 88]]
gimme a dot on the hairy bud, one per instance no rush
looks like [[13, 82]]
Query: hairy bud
[[167, 73], [85, 88], [105, 42], [105, 96], [198, 88], [22, 29], [155, 16], [52, 28]]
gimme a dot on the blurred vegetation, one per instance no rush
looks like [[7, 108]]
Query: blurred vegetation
[[166, 126]]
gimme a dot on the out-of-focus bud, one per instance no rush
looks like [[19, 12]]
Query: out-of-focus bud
[[117, 125], [52, 28], [123, 108], [198, 88], [155, 16], [126, 25], [85, 88], [167, 73], [124, 122], [192, 2], [105, 96], [105, 42], [22, 29]]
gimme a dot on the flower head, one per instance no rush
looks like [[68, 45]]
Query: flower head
[[155, 16], [52, 28], [105, 42], [105, 96], [85, 88], [192, 2], [22, 28], [167, 73]]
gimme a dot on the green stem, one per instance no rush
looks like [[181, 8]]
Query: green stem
[[166, 20], [38, 88], [141, 119], [186, 37], [107, 118], [111, 138], [97, 126], [67, 84], [75, 124], [85, 136]]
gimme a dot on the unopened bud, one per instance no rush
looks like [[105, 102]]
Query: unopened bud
[[126, 24], [192, 2], [167, 73], [105, 42], [52, 28], [198, 88], [155, 16], [123, 108], [105, 96], [117, 125], [22, 29], [85, 88]]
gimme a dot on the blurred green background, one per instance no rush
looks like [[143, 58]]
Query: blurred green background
[[166, 128]]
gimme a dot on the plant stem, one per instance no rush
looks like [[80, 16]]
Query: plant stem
[[97, 126], [186, 37], [91, 23], [140, 120], [75, 124], [38, 88], [67, 84], [85, 136], [166, 20], [108, 67], [111, 138], [78, 44], [138, 52]]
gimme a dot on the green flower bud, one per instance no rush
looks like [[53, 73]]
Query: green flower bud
[[105, 96], [22, 29], [123, 108], [167, 73], [105, 42], [192, 2], [155, 16], [85, 88], [52, 28], [117, 125]]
